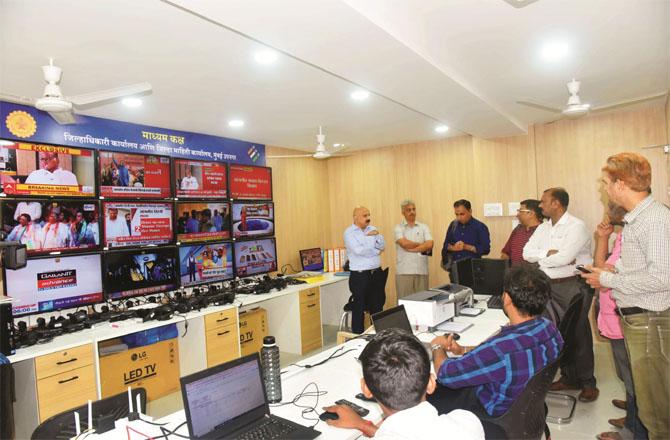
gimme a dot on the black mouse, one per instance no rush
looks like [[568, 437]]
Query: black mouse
[[328, 416]]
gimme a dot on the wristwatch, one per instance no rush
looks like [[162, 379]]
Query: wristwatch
[[435, 347]]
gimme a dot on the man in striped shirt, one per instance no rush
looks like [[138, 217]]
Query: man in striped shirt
[[488, 378], [530, 217]]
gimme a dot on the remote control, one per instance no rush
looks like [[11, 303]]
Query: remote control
[[359, 409]]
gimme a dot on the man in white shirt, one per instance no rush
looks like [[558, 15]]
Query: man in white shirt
[[50, 173], [396, 372], [115, 226], [413, 244], [558, 246], [188, 182]]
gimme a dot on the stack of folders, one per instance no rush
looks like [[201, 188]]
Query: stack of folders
[[334, 259]]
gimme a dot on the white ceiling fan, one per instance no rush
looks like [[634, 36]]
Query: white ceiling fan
[[321, 151], [576, 109], [60, 107]]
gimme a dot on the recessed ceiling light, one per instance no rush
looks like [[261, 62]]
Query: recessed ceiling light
[[360, 95], [441, 129], [554, 51], [132, 102], [337, 145], [266, 56], [236, 123]]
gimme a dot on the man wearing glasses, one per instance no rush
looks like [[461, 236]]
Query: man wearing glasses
[[530, 217], [50, 172]]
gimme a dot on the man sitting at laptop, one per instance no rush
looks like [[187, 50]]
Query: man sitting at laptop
[[488, 378], [396, 372]]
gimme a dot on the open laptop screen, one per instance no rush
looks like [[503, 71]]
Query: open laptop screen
[[220, 397], [311, 259], [395, 317]]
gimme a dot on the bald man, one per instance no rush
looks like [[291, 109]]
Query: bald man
[[364, 244]]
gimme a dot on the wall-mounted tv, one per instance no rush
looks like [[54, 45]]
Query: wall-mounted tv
[[28, 169], [125, 175], [139, 272], [205, 263], [137, 223], [200, 180], [46, 226], [203, 221], [253, 219], [54, 283], [254, 257], [250, 183]]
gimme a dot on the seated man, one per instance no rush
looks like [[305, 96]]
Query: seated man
[[488, 378], [396, 372]]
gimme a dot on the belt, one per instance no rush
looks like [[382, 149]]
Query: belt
[[625, 311], [367, 271], [563, 280]]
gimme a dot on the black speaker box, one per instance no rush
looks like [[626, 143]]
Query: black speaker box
[[6, 329]]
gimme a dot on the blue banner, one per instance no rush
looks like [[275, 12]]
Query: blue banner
[[27, 124]]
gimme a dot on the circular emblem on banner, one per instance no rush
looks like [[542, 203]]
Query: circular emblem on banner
[[21, 124]]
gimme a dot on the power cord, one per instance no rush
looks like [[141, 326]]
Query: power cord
[[284, 267], [166, 432], [306, 409], [333, 355]]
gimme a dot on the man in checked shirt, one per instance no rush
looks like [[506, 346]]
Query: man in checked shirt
[[640, 284]]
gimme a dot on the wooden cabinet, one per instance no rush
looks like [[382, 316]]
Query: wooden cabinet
[[65, 379], [310, 320], [222, 337]]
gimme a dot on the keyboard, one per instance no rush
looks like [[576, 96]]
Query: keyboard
[[495, 302], [268, 429]]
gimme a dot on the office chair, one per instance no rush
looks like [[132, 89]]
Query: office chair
[[526, 418], [61, 426]]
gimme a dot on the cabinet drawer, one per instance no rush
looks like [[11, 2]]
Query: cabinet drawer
[[222, 345], [220, 319], [312, 307], [310, 294], [62, 361], [67, 390]]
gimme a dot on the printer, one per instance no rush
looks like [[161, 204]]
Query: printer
[[429, 308]]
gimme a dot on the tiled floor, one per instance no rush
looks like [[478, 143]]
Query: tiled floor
[[590, 418]]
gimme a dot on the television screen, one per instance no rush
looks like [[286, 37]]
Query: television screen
[[203, 221], [253, 219], [139, 272], [255, 256], [55, 283], [204, 263], [28, 169], [250, 183], [197, 179], [137, 223], [46, 226], [124, 175]]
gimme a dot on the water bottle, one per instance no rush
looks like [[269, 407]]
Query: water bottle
[[271, 369]]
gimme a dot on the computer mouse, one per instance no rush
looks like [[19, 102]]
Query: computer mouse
[[328, 416]]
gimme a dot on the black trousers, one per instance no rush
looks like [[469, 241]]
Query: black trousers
[[364, 291], [446, 399]]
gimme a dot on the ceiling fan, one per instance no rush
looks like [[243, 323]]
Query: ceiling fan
[[576, 109], [60, 107], [321, 151]]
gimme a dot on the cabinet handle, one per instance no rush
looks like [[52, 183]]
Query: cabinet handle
[[311, 305], [221, 320], [65, 362], [223, 333], [68, 380], [311, 294]]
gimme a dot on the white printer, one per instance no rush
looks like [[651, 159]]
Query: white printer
[[429, 308]]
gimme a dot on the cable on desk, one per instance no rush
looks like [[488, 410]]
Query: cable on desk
[[333, 355], [153, 423], [166, 432], [284, 267], [306, 409]]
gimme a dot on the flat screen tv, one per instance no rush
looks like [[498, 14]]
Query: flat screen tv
[[48, 226], [137, 223], [203, 221], [28, 169], [200, 180], [250, 183], [55, 283], [126, 175], [139, 272], [205, 263], [255, 257], [253, 219]]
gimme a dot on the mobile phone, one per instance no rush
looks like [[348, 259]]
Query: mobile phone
[[366, 399], [359, 409], [581, 268]]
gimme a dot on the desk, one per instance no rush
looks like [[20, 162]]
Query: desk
[[339, 377]]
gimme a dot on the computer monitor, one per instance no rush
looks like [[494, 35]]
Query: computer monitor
[[203, 221], [488, 275], [255, 257], [129, 175], [464, 273], [205, 263], [253, 219], [250, 183], [311, 259], [196, 179], [129, 224], [140, 272]]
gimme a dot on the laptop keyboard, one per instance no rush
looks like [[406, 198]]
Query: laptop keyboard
[[268, 429], [495, 302]]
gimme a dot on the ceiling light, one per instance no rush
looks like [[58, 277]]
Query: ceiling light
[[132, 102], [554, 51], [337, 145], [266, 56], [360, 95], [236, 123], [441, 129]]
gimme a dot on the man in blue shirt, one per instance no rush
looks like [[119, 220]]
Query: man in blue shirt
[[466, 237], [364, 244]]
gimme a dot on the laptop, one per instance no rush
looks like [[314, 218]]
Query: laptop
[[395, 317], [312, 263], [229, 401]]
